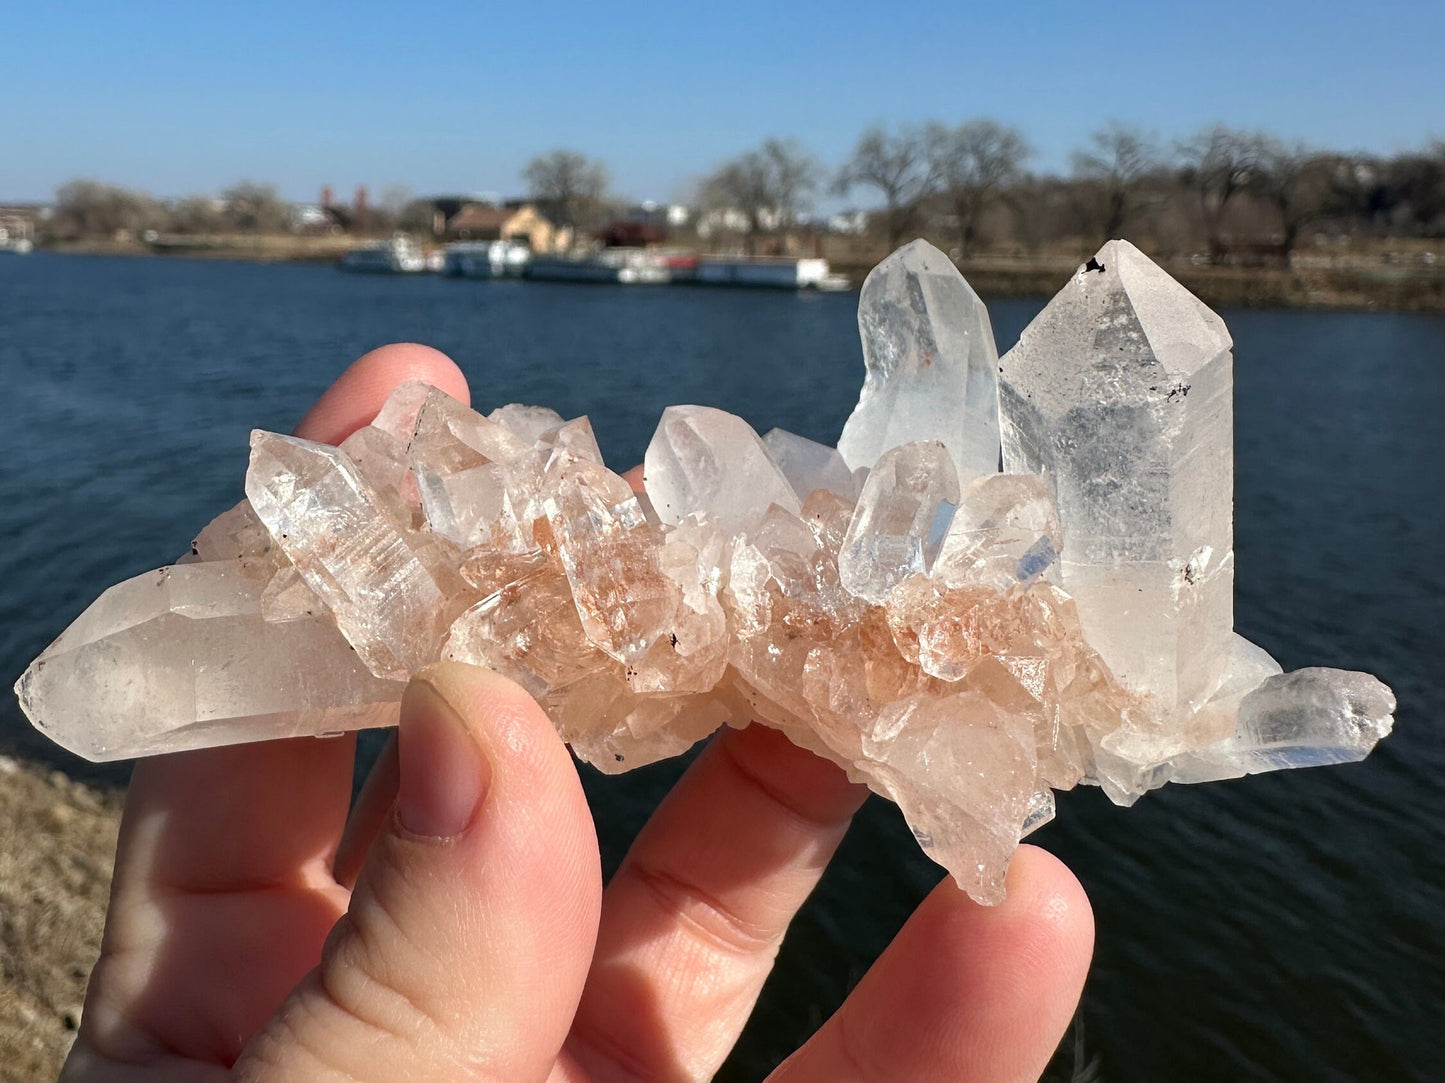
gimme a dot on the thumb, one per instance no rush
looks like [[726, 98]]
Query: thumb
[[470, 930]]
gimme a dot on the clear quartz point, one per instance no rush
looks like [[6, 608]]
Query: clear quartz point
[[961, 640], [1306, 718], [333, 527], [706, 461], [1118, 395], [181, 658], [901, 520], [810, 466], [932, 364], [1005, 531], [528, 423]]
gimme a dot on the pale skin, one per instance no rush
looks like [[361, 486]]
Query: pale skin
[[454, 925]]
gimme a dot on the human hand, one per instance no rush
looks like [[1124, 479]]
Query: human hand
[[456, 927]]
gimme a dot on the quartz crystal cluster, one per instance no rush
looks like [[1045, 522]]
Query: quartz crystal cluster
[[964, 639]]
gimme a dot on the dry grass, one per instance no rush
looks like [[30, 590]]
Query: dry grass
[[57, 848]]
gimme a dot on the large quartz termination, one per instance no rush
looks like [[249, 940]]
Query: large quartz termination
[[932, 363], [1119, 397], [963, 641]]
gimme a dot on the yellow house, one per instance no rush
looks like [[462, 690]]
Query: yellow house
[[472, 221]]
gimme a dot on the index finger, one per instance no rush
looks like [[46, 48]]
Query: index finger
[[253, 813], [224, 861]]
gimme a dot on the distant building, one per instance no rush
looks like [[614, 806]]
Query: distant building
[[312, 218], [722, 220], [630, 233], [663, 215], [30, 213], [459, 218], [329, 216], [641, 226], [19, 222]]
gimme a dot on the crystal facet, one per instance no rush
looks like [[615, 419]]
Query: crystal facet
[[181, 657], [961, 640], [810, 466], [706, 461], [1118, 396], [932, 364], [330, 523], [900, 521]]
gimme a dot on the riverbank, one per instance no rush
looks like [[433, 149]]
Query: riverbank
[[1386, 281], [251, 248], [1400, 278], [57, 851]]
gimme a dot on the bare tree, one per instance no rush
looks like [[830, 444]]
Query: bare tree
[[1298, 182], [255, 208], [976, 162], [569, 186], [795, 175], [770, 187], [739, 187], [1219, 164], [902, 167], [741, 184], [1119, 161], [1412, 191], [87, 208], [197, 214]]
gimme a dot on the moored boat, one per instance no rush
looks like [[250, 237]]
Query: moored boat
[[628, 266], [399, 255], [14, 241], [768, 272], [486, 259]]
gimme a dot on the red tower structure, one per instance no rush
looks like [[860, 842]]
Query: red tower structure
[[361, 209]]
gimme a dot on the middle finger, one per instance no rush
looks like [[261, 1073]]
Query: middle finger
[[693, 919]]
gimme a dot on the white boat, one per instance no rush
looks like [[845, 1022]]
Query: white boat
[[15, 241], [396, 256], [628, 266], [486, 259], [769, 272]]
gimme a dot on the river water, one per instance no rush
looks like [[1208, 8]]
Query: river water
[[1279, 927]]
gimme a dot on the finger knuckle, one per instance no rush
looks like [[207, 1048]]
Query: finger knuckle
[[705, 915]]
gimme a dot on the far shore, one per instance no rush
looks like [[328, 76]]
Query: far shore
[[1382, 279]]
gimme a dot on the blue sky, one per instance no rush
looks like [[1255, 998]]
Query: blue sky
[[174, 98]]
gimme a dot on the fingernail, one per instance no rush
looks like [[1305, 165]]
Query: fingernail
[[444, 775]]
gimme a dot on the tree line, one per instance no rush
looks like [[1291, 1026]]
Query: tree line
[[91, 208], [1227, 192]]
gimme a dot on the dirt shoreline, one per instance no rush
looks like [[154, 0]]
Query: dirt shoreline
[[57, 853], [1362, 282]]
